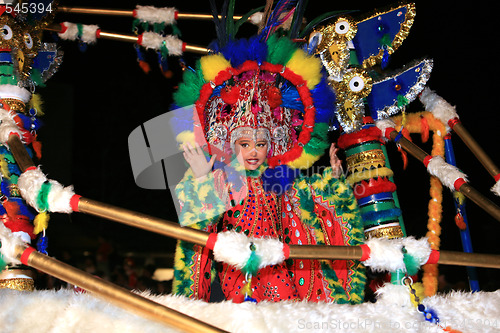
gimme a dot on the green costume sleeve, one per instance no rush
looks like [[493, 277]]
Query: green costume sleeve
[[324, 187], [200, 202], [201, 208]]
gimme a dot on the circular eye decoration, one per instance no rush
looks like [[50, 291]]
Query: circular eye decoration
[[28, 41], [345, 28], [356, 84], [6, 32], [342, 27]]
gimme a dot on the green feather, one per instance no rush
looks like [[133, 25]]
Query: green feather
[[41, 199], [3, 263], [189, 90], [252, 265], [411, 264], [280, 50]]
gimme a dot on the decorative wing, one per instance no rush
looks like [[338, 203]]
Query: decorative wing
[[392, 93], [381, 33]]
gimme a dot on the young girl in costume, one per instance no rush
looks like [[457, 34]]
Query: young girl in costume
[[267, 103], [257, 216]]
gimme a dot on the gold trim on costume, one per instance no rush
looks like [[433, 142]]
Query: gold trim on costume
[[384, 231], [14, 104], [368, 158], [21, 284], [332, 48], [400, 36]]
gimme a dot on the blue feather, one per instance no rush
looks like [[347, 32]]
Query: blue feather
[[324, 101], [290, 97], [310, 48], [274, 20], [42, 244], [5, 187], [241, 50], [24, 209]]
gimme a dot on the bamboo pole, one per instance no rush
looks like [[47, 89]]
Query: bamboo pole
[[112, 293], [325, 252], [130, 13], [20, 154], [476, 149], [142, 221], [355, 253], [174, 230], [96, 11], [130, 39], [469, 259], [466, 189]]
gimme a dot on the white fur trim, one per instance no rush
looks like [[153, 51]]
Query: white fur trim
[[89, 32], [420, 249], [58, 199], [6, 130], [9, 242], [8, 126], [71, 32], [70, 312], [269, 250], [446, 173], [15, 92], [383, 125], [234, 249], [24, 236], [439, 107], [395, 294], [29, 183], [151, 40], [153, 14], [496, 188], [385, 255]]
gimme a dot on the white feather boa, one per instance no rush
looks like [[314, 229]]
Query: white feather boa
[[438, 106], [153, 14], [446, 173], [496, 188], [58, 199], [88, 32]]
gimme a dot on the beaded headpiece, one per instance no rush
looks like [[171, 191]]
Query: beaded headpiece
[[262, 87]]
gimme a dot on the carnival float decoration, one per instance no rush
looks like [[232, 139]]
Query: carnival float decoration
[[298, 90]]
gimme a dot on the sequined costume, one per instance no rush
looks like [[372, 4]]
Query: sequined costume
[[265, 214], [267, 87]]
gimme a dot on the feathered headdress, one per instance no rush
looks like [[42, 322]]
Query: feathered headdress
[[264, 83]]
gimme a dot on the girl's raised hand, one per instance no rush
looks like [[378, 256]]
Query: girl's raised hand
[[197, 160]]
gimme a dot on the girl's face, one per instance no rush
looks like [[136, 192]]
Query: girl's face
[[250, 153]]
